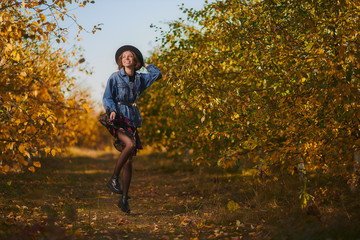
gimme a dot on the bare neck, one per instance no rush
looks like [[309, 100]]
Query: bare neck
[[130, 71]]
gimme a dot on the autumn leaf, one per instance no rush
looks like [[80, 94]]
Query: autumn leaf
[[37, 164], [232, 206]]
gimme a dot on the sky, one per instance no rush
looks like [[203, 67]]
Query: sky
[[124, 22]]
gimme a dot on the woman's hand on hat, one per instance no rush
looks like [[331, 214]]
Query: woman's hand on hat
[[112, 116], [145, 64]]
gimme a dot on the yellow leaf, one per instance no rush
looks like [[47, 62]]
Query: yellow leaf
[[53, 152], [11, 145], [17, 57], [235, 116], [47, 150], [71, 103], [8, 48], [42, 17], [31, 169], [35, 23], [232, 206], [351, 57], [86, 108], [20, 159], [6, 168], [26, 153], [37, 164]]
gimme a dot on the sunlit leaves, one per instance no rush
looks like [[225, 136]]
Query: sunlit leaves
[[40, 108], [266, 82]]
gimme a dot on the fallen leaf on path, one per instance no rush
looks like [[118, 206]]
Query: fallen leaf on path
[[239, 224], [78, 232], [209, 226], [121, 221], [236, 238], [156, 228]]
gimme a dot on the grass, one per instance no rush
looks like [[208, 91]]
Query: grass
[[67, 199]]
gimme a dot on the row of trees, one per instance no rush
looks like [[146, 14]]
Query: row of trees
[[269, 84], [41, 109], [272, 82]]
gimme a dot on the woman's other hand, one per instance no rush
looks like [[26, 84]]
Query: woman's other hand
[[112, 116]]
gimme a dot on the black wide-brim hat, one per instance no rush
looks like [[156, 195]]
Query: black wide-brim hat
[[129, 48]]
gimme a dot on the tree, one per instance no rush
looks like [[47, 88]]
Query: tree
[[275, 83], [41, 109]]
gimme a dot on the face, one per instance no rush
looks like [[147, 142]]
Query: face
[[128, 59]]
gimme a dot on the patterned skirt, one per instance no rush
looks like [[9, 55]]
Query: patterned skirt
[[124, 125]]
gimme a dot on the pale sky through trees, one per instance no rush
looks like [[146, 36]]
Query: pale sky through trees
[[124, 22]]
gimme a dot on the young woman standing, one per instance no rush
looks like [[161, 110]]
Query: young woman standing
[[122, 117]]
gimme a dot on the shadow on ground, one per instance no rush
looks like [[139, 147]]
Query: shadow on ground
[[67, 199]]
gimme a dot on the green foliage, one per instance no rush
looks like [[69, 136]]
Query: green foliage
[[267, 82]]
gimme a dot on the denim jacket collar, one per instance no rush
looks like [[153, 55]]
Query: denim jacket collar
[[125, 77], [122, 72]]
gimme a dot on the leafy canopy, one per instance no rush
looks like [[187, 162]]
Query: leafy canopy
[[41, 110], [261, 84]]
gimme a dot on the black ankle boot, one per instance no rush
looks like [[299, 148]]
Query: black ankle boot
[[114, 185], [124, 205]]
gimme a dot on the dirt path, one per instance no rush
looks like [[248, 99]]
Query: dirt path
[[67, 198]]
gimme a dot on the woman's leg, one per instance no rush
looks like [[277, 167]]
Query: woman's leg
[[126, 153], [124, 162], [126, 176]]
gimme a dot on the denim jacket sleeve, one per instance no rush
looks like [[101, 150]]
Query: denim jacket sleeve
[[108, 99], [149, 78]]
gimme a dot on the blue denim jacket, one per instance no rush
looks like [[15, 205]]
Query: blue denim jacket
[[118, 96]]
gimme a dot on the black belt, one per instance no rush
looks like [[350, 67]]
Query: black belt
[[127, 104]]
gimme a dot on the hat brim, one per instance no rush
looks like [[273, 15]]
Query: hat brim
[[129, 48]]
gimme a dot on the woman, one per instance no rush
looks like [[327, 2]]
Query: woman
[[122, 117]]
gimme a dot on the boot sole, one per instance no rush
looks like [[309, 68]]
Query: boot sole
[[122, 209]]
